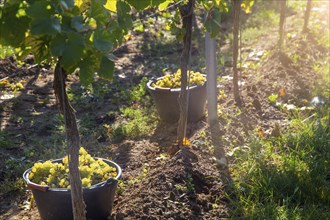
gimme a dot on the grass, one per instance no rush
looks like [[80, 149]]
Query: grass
[[5, 140], [323, 70], [286, 177], [272, 98], [137, 122], [258, 22], [5, 51], [10, 186], [11, 171], [139, 118]]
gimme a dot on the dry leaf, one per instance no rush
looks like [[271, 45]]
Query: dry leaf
[[281, 92], [261, 133], [186, 142]]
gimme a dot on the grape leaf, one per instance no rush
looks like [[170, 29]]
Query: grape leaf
[[140, 4], [86, 71], [212, 23], [99, 13], [122, 8], [124, 18], [107, 67], [42, 26], [111, 5], [102, 2], [158, 2], [117, 35], [77, 23], [125, 21], [73, 50], [78, 3], [162, 6], [102, 40], [66, 4], [12, 28], [40, 9], [57, 45], [39, 47]]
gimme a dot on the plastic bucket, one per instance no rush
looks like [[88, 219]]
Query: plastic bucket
[[167, 105], [55, 203]]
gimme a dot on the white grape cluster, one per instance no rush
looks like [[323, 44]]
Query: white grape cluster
[[174, 80], [56, 175]]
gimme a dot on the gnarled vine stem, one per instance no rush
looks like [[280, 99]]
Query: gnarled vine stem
[[73, 142]]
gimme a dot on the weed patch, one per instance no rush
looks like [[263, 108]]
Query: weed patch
[[284, 177], [138, 122]]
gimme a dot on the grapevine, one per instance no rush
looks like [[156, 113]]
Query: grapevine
[[56, 175], [174, 80]]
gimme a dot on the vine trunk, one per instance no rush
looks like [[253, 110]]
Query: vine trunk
[[282, 23], [186, 12], [73, 143], [307, 15], [237, 9]]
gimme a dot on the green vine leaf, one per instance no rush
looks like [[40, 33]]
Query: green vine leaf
[[102, 2], [39, 47], [12, 27], [40, 9], [107, 67], [156, 3], [77, 23], [212, 23], [102, 40], [140, 4], [99, 13], [124, 18], [143, 4], [73, 50], [163, 5], [66, 4], [57, 45], [41, 26], [86, 70]]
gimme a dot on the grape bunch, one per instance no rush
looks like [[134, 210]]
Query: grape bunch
[[56, 175], [174, 80]]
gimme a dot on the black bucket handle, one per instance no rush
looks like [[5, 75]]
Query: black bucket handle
[[37, 187]]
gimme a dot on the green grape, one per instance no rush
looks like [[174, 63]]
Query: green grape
[[65, 160], [82, 151], [56, 175], [62, 183], [86, 182], [174, 80], [85, 171]]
